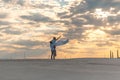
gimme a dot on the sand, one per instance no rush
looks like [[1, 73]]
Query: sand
[[73, 69]]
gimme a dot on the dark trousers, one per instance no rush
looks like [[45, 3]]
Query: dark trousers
[[53, 54]]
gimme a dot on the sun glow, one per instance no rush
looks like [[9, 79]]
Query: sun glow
[[94, 35]]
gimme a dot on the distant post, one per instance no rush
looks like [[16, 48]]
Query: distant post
[[110, 54], [117, 54]]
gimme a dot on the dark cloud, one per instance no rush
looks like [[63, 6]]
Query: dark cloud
[[113, 32], [10, 30], [42, 6], [79, 7], [75, 33], [20, 2], [63, 15], [84, 20], [77, 21], [91, 5], [3, 15], [4, 23], [92, 20], [6, 1], [114, 19], [29, 43], [37, 18], [2, 28]]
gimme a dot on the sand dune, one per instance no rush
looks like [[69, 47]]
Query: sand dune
[[71, 69]]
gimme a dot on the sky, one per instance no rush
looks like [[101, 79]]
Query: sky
[[27, 26]]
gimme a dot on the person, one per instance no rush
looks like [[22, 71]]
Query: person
[[53, 47]]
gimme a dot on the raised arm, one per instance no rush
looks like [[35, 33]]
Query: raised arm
[[58, 38]]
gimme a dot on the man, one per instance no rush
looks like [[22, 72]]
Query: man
[[53, 47]]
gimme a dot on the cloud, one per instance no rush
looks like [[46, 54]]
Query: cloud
[[114, 19], [86, 10], [20, 2], [37, 18], [3, 15], [84, 13], [6, 1], [29, 43], [114, 31], [41, 4], [10, 30], [75, 33], [4, 23]]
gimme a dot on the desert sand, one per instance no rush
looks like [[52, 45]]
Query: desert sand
[[69, 69]]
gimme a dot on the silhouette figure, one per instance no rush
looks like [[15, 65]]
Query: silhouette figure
[[53, 47]]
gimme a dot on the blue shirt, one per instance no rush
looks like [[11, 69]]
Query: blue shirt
[[52, 44]]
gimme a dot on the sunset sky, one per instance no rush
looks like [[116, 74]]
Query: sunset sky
[[27, 26]]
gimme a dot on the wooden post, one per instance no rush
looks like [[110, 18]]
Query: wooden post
[[117, 54], [110, 54]]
